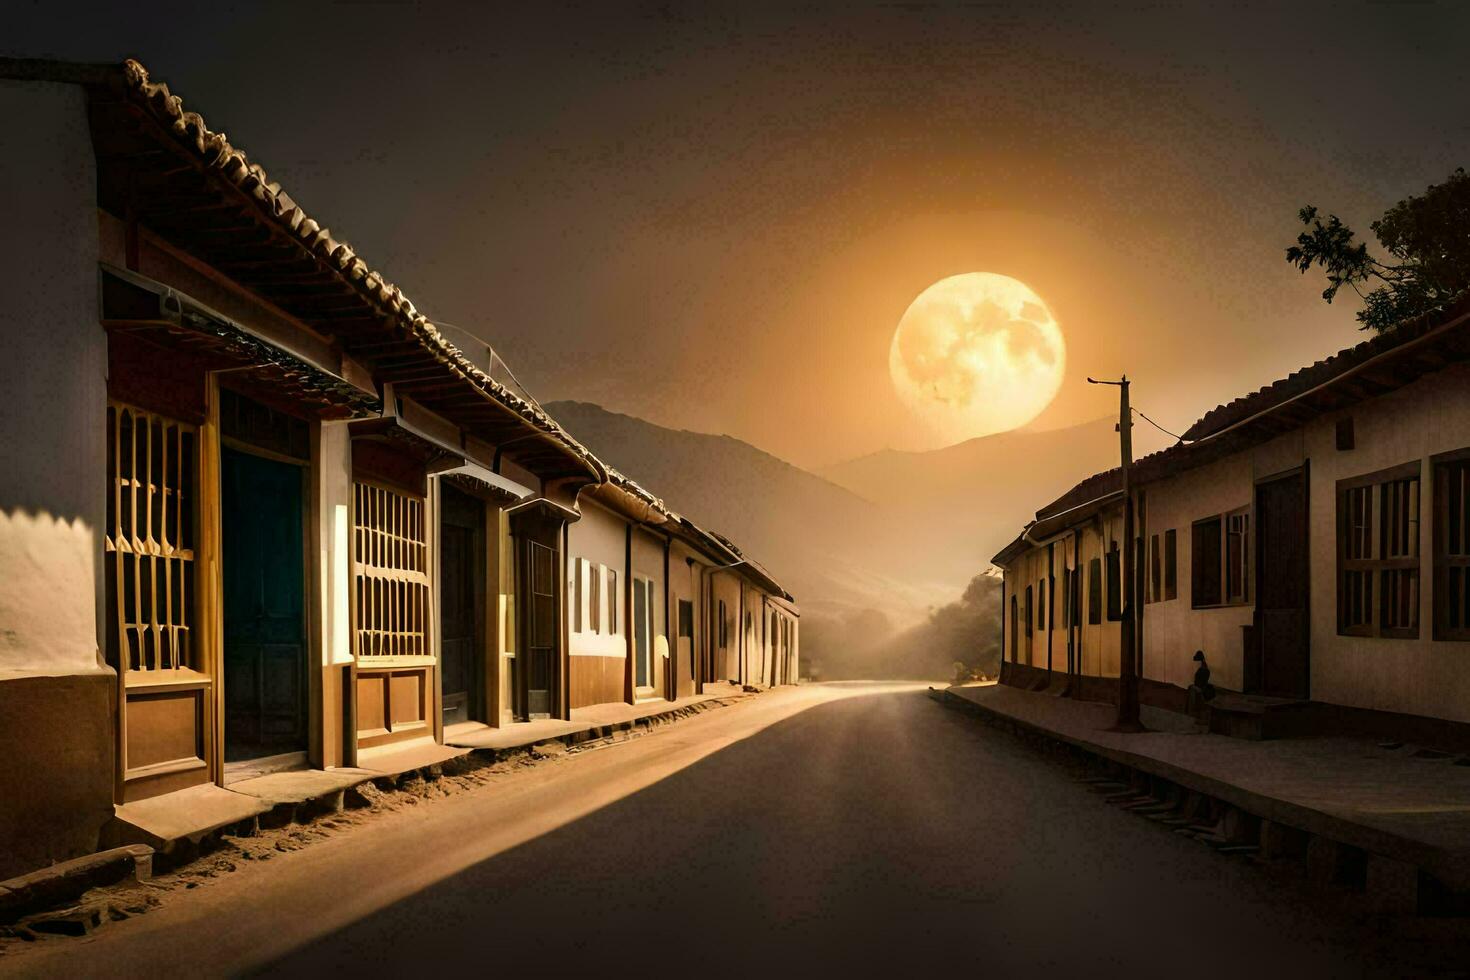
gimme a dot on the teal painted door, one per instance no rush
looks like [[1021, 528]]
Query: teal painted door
[[264, 585]]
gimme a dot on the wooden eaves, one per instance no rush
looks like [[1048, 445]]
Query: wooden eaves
[[162, 168]]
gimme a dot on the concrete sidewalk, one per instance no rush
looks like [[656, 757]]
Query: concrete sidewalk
[[177, 824], [1403, 804], [597, 721]]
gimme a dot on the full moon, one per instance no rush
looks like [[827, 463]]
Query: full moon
[[976, 354]]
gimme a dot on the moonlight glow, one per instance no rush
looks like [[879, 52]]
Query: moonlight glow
[[976, 354]]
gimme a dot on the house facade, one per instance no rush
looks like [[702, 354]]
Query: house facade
[[1308, 538], [655, 600], [257, 512]]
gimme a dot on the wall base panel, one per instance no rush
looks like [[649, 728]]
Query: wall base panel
[[59, 760]]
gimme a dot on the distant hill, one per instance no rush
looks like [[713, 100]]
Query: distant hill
[[983, 490], [826, 544], [871, 548]]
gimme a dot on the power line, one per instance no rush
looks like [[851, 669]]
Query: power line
[[1157, 425]]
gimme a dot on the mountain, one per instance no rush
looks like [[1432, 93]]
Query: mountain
[[882, 552], [982, 490], [826, 544]]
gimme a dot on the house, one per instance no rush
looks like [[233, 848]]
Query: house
[[257, 513], [654, 600], [1309, 538]]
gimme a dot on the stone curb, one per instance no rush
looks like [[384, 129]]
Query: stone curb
[[64, 883], [1444, 866]]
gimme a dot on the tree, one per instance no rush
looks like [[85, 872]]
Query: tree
[[1426, 238]]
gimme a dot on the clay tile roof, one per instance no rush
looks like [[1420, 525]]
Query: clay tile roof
[[1400, 358], [1318, 373], [231, 164]]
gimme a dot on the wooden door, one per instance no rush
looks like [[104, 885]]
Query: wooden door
[[460, 537], [264, 584], [642, 633], [1281, 630], [539, 629], [686, 641]]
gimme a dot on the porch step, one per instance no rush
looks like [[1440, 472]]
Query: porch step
[[1255, 716], [162, 822], [301, 785], [395, 760]]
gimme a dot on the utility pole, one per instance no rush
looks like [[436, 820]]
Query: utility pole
[[1128, 716]]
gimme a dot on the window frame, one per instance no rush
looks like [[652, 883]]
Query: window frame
[[1171, 564], [1442, 558], [1114, 584], [612, 602], [1223, 597], [1094, 592], [1155, 591], [594, 596], [1376, 567], [392, 600]]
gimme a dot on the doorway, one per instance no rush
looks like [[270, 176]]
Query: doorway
[[461, 609], [265, 678], [540, 630], [643, 636], [686, 641], [1281, 647]]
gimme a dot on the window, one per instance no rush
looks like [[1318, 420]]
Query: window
[[1378, 554], [1030, 611], [1115, 586], [1094, 591], [1015, 644], [579, 574], [1041, 605], [724, 632], [1155, 591], [1220, 563], [1066, 598], [390, 562], [594, 603], [614, 601], [1452, 547], [1171, 565], [1237, 557], [1205, 563], [150, 540]]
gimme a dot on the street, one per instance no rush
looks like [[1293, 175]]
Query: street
[[842, 828]]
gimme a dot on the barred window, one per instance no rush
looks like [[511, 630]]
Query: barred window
[[150, 540], [1378, 554], [390, 553]]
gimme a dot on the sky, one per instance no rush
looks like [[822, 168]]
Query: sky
[[714, 217]]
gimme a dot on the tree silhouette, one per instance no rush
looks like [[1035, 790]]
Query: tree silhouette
[[1426, 238]]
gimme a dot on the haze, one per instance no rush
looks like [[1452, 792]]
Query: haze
[[606, 196]]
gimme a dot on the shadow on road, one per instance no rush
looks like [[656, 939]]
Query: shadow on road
[[866, 835]]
